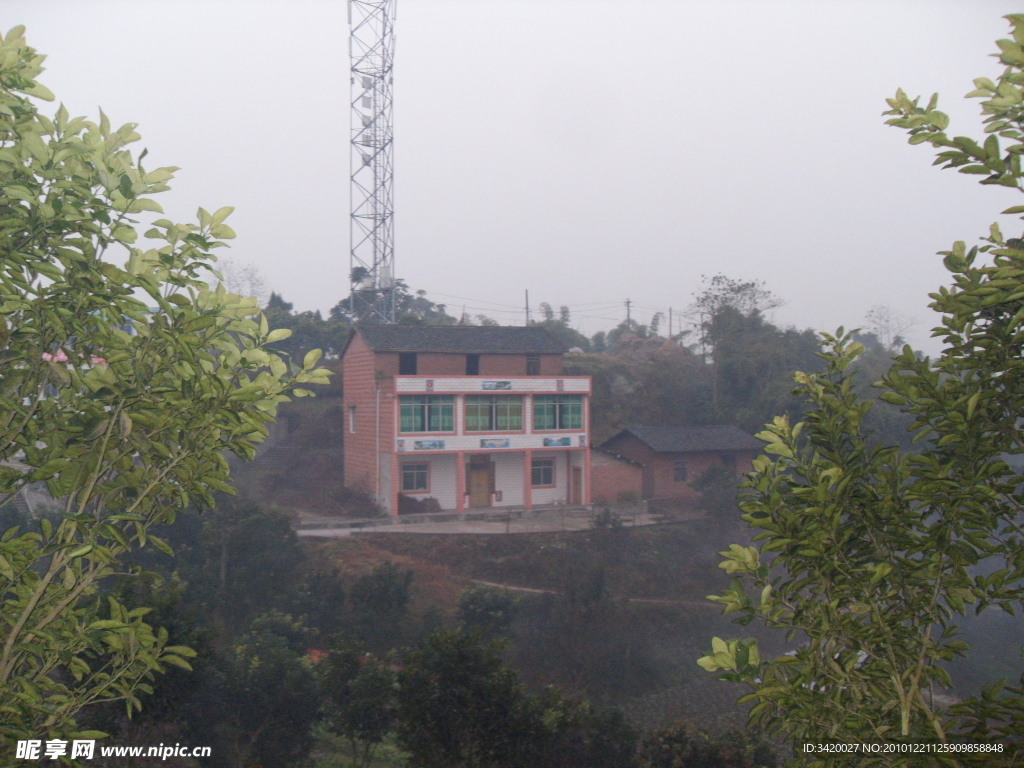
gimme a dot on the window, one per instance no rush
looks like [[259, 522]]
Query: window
[[558, 412], [487, 413], [729, 462], [414, 477], [406, 363], [352, 419], [533, 365], [679, 471], [426, 413], [472, 365], [542, 472]]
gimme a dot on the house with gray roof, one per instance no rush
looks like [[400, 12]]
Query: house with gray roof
[[672, 458]]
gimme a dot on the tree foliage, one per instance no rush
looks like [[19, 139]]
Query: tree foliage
[[460, 707], [358, 692], [870, 553], [121, 406]]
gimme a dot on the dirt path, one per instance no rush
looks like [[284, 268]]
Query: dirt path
[[643, 600]]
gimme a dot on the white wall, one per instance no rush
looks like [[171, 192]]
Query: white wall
[[508, 478], [442, 479]]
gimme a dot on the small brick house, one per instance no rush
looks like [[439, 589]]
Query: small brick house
[[469, 416], [671, 458]]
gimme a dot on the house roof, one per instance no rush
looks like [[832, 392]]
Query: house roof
[[458, 338], [692, 439], [617, 456]]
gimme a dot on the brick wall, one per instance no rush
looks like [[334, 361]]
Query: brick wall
[[611, 478], [658, 475], [662, 467], [448, 364], [362, 373]]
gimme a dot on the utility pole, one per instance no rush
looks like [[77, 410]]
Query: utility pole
[[527, 306], [670, 322], [371, 227], [629, 319]]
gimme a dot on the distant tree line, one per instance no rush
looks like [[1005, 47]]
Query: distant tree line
[[732, 365]]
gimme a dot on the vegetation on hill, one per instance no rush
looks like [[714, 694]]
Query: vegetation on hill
[[335, 649]]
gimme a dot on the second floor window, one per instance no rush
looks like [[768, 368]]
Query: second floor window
[[406, 363], [426, 413], [493, 414], [557, 412], [533, 365]]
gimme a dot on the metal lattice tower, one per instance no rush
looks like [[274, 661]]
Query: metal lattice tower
[[371, 229]]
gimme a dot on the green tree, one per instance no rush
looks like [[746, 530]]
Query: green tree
[[265, 698], [460, 707], [410, 308], [681, 746], [242, 561], [561, 328], [870, 553], [747, 297], [488, 610], [379, 604], [123, 407], [359, 703], [751, 365], [309, 330], [574, 734]]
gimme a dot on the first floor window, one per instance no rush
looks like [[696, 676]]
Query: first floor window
[[558, 412], [542, 472], [414, 477], [426, 413], [486, 413], [679, 471]]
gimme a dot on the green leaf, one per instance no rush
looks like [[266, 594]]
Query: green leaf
[[312, 358], [278, 334], [125, 234], [221, 214]]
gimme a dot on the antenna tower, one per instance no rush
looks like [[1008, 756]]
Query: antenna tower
[[371, 228]]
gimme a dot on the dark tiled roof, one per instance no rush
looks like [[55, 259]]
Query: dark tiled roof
[[459, 338], [693, 439], [617, 456]]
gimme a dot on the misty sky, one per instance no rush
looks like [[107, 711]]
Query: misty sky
[[587, 151]]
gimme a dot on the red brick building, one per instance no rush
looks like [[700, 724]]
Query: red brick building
[[671, 458], [470, 416]]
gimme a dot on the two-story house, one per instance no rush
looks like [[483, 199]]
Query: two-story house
[[472, 416]]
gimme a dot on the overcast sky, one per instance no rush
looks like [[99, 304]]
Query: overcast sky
[[589, 151]]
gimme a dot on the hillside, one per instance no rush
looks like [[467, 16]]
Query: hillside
[[618, 616]]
